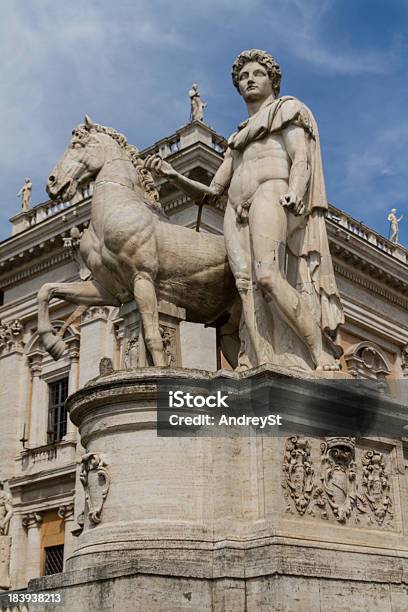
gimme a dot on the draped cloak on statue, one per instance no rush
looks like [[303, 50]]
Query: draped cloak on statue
[[307, 240]]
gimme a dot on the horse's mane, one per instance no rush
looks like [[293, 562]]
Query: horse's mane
[[145, 176]]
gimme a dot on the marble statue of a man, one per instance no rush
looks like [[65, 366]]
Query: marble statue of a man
[[6, 510], [25, 194], [274, 224], [197, 104]]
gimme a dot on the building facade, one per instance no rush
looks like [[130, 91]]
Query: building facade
[[39, 447]]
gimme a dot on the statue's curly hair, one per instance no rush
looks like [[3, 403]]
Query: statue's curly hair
[[265, 59]]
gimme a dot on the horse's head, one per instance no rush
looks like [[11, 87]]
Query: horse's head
[[79, 164]]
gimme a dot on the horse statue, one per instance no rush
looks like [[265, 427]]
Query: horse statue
[[130, 250]]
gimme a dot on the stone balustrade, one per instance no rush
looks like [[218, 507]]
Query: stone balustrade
[[41, 457], [27, 219], [342, 220]]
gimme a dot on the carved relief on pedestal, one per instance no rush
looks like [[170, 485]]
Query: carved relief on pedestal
[[95, 312], [11, 336], [6, 510], [298, 473], [105, 366], [132, 353], [338, 488], [376, 487], [5, 548], [169, 336], [95, 479]]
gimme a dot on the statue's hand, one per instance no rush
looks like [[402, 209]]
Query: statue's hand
[[293, 202], [156, 164]]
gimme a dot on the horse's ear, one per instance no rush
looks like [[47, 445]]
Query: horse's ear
[[88, 122]]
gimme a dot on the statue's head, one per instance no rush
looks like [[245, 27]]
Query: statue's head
[[264, 59], [393, 210]]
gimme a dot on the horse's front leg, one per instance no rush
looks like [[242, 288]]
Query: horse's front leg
[[88, 293], [146, 301]]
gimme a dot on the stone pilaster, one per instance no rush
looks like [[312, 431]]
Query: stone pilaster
[[32, 524], [73, 382], [66, 512], [96, 341], [5, 546], [12, 393], [39, 403]]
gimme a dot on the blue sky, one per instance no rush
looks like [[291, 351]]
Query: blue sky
[[129, 64]]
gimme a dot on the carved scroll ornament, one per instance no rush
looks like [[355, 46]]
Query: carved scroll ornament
[[298, 472], [95, 479]]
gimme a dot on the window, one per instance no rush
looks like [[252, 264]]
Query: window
[[57, 414], [54, 559]]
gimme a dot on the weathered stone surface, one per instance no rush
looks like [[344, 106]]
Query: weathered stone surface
[[5, 545], [274, 227], [203, 524]]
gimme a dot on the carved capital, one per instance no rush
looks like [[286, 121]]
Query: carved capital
[[66, 511], [32, 519], [35, 363], [94, 313], [73, 348], [11, 336]]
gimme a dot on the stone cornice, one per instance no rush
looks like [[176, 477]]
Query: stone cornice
[[373, 321], [43, 234], [371, 285], [29, 271], [43, 476]]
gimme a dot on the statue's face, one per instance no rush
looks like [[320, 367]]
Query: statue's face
[[254, 82]]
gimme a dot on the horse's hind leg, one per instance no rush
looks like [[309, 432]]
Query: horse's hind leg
[[88, 293], [146, 301]]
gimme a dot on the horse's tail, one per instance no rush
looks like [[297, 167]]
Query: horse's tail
[[77, 314]]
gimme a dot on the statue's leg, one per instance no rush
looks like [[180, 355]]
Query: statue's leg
[[238, 248], [145, 298], [87, 293], [268, 228]]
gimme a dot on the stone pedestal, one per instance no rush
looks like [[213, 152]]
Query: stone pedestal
[[5, 545], [230, 523]]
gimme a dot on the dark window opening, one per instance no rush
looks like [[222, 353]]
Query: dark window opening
[[57, 414], [54, 559]]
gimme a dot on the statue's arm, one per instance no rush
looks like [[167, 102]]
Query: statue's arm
[[295, 141], [196, 190]]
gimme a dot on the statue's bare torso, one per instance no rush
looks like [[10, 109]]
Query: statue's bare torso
[[263, 163]]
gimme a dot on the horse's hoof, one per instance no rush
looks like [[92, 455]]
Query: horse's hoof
[[54, 346], [58, 349]]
